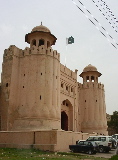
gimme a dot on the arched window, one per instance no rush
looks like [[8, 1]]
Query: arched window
[[92, 78], [87, 78], [34, 42], [41, 42]]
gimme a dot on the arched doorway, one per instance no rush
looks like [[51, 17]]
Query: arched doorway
[[64, 121], [66, 115]]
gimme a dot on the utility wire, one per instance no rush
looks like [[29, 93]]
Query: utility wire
[[94, 23], [110, 16]]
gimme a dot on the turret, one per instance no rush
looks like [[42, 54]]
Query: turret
[[40, 35], [34, 82], [92, 99], [90, 74]]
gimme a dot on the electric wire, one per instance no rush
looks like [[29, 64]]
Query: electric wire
[[109, 14], [94, 23]]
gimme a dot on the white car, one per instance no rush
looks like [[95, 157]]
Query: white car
[[104, 142]]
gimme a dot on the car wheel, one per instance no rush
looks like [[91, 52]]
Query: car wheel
[[101, 149], [90, 152]]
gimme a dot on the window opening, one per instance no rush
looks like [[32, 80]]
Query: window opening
[[63, 102], [62, 85], [41, 42], [87, 78], [40, 97], [92, 78], [6, 84]]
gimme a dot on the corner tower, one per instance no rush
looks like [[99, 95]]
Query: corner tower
[[40, 106], [34, 82], [92, 99]]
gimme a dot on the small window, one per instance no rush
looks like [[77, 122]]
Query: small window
[[92, 78], [40, 97], [67, 88], [71, 89], [85, 100], [6, 84], [63, 102], [87, 78], [23, 86], [62, 85], [41, 73]]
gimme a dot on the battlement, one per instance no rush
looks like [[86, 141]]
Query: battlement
[[91, 85], [14, 51], [68, 72]]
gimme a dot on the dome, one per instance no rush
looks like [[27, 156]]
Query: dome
[[89, 68], [41, 28]]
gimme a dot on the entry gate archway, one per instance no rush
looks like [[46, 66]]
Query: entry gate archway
[[66, 116]]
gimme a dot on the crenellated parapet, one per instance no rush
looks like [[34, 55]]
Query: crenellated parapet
[[68, 72], [91, 85], [41, 50], [12, 50]]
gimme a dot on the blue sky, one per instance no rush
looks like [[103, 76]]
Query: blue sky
[[64, 19]]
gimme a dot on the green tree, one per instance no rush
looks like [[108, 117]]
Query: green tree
[[113, 123]]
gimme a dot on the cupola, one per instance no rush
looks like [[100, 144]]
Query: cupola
[[40, 36], [90, 74]]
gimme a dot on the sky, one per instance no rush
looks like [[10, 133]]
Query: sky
[[67, 18]]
